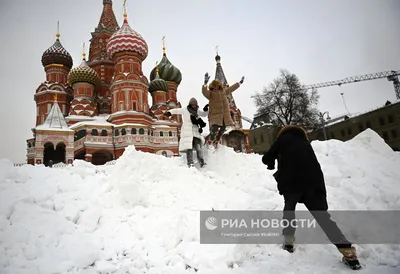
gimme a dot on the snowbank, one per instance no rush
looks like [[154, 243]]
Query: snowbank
[[142, 214]]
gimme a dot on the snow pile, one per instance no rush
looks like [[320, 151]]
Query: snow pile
[[142, 214]]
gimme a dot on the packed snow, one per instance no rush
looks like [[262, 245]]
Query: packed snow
[[141, 215]]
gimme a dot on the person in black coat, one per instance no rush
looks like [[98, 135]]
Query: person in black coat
[[301, 180]]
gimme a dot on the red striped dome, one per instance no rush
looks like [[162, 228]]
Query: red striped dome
[[126, 39]]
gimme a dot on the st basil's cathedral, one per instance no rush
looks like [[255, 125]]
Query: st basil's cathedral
[[95, 110]]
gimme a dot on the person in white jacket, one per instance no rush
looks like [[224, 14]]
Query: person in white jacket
[[191, 129]]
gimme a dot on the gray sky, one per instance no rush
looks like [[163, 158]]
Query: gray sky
[[319, 40]]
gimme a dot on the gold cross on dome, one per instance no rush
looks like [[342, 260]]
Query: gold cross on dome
[[163, 42], [125, 8], [216, 49], [58, 30]]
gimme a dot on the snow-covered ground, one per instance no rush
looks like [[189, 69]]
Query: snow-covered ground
[[141, 215]]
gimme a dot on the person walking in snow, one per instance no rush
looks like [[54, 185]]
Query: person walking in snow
[[219, 112], [191, 130], [301, 180]]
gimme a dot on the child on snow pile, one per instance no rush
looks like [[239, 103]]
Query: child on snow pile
[[301, 180], [192, 126], [219, 113]]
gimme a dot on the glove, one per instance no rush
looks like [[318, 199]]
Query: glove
[[206, 78], [168, 114], [241, 80], [205, 108]]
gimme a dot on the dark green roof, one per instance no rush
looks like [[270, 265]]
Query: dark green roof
[[158, 84], [167, 71]]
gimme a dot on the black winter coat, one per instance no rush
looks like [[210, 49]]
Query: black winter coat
[[298, 167]]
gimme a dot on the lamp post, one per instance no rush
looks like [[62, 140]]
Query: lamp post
[[321, 115]]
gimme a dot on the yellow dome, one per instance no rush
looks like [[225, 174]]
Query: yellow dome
[[83, 74]]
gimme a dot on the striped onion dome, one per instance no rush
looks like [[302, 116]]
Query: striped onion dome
[[126, 39]]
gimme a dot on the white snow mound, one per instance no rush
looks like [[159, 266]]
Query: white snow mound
[[141, 215]]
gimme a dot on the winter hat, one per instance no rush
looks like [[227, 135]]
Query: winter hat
[[193, 101], [215, 84], [294, 129]]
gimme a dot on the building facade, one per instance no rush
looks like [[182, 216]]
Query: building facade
[[385, 121], [95, 110]]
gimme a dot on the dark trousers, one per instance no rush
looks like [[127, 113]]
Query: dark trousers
[[318, 207], [196, 144], [216, 132]]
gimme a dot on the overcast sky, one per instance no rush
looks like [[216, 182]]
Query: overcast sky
[[319, 40]]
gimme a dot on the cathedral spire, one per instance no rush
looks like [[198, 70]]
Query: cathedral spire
[[219, 72], [108, 22]]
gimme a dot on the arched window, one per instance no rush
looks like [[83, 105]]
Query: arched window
[[161, 134], [141, 131], [123, 131], [116, 132], [170, 133], [133, 131], [104, 132], [95, 132]]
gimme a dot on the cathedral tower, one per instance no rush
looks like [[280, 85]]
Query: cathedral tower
[[129, 87], [158, 89], [83, 80], [57, 63], [172, 75], [99, 59]]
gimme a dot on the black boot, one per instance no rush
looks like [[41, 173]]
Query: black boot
[[202, 163]]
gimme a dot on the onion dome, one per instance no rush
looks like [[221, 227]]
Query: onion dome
[[158, 84], [126, 39], [57, 54], [167, 71], [83, 74]]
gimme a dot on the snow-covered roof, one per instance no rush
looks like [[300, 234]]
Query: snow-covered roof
[[50, 91], [260, 120], [161, 126], [85, 120], [130, 124], [55, 120]]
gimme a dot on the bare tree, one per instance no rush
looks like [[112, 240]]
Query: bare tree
[[287, 102]]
